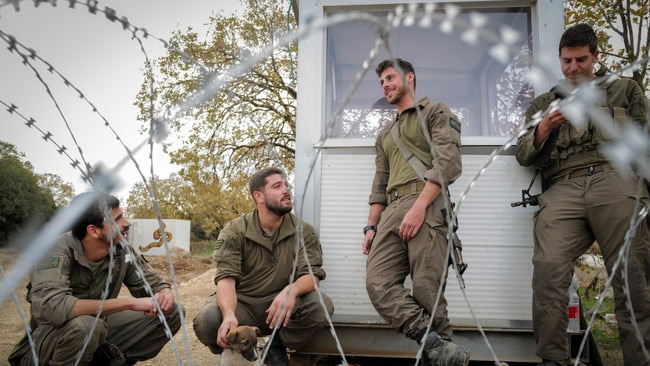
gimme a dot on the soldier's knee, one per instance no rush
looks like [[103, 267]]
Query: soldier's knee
[[551, 275], [320, 311], [376, 290], [206, 326], [174, 318], [83, 328]]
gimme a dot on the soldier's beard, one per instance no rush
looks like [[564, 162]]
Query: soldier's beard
[[111, 238], [396, 96], [278, 208]]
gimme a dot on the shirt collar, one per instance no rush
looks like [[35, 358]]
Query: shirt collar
[[254, 229]]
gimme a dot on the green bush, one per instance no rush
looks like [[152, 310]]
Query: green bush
[[202, 248], [604, 332]]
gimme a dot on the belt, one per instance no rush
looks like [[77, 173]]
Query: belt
[[590, 170], [403, 190]]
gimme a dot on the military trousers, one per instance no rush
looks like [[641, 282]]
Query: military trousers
[[307, 319], [138, 336], [424, 258], [573, 214]]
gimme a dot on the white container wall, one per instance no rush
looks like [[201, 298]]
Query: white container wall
[[497, 239], [146, 236]]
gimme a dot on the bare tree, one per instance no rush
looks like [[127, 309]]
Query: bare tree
[[623, 28]]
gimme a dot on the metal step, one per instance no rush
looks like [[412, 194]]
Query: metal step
[[378, 340]]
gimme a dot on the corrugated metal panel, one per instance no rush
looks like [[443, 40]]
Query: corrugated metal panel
[[345, 186], [497, 238]]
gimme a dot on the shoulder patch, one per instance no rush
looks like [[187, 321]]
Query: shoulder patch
[[49, 263], [218, 244], [49, 269], [454, 124]]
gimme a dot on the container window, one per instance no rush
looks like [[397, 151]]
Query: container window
[[489, 96]]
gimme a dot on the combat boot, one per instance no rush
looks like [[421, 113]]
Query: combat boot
[[277, 354], [438, 352], [108, 354]]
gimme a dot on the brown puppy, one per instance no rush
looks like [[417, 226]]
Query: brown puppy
[[243, 340]]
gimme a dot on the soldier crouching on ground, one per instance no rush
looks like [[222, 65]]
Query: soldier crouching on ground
[[65, 292], [254, 257]]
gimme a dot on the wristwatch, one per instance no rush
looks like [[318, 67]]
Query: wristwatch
[[369, 227]]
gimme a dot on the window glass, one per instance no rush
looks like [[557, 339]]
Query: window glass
[[489, 96]]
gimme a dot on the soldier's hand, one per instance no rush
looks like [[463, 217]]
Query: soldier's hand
[[281, 308], [165, 298], [554, 119], [411, 223], [551, 120], [144, 304], [226, 326], [367, 242]]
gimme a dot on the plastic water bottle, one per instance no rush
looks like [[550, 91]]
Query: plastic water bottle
[[574, 306]]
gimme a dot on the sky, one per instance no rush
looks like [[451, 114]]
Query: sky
[[101, 60]]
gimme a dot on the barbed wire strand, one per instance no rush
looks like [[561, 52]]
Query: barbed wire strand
[[155, 127]]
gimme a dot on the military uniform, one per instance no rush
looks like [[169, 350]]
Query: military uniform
[[588, 200], [262, 267], [66, 276], [397, 185]]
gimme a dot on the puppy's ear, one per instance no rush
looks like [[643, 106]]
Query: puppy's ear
[[232, 336], [257, 331]]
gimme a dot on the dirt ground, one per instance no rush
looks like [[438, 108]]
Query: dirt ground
[[194, 276]]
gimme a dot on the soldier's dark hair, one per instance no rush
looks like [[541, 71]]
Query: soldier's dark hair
[[258, 180], [403, 64], [94, 214], [579, 35]]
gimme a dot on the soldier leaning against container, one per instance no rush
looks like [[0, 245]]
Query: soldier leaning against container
[[406, 231]]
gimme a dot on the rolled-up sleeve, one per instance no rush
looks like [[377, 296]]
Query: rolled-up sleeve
[[380, 180], [228, 253], [447, 165]]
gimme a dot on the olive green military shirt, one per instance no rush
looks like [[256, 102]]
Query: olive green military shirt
[[65, 275], [578, 147], [392, 169], [262, 265]]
